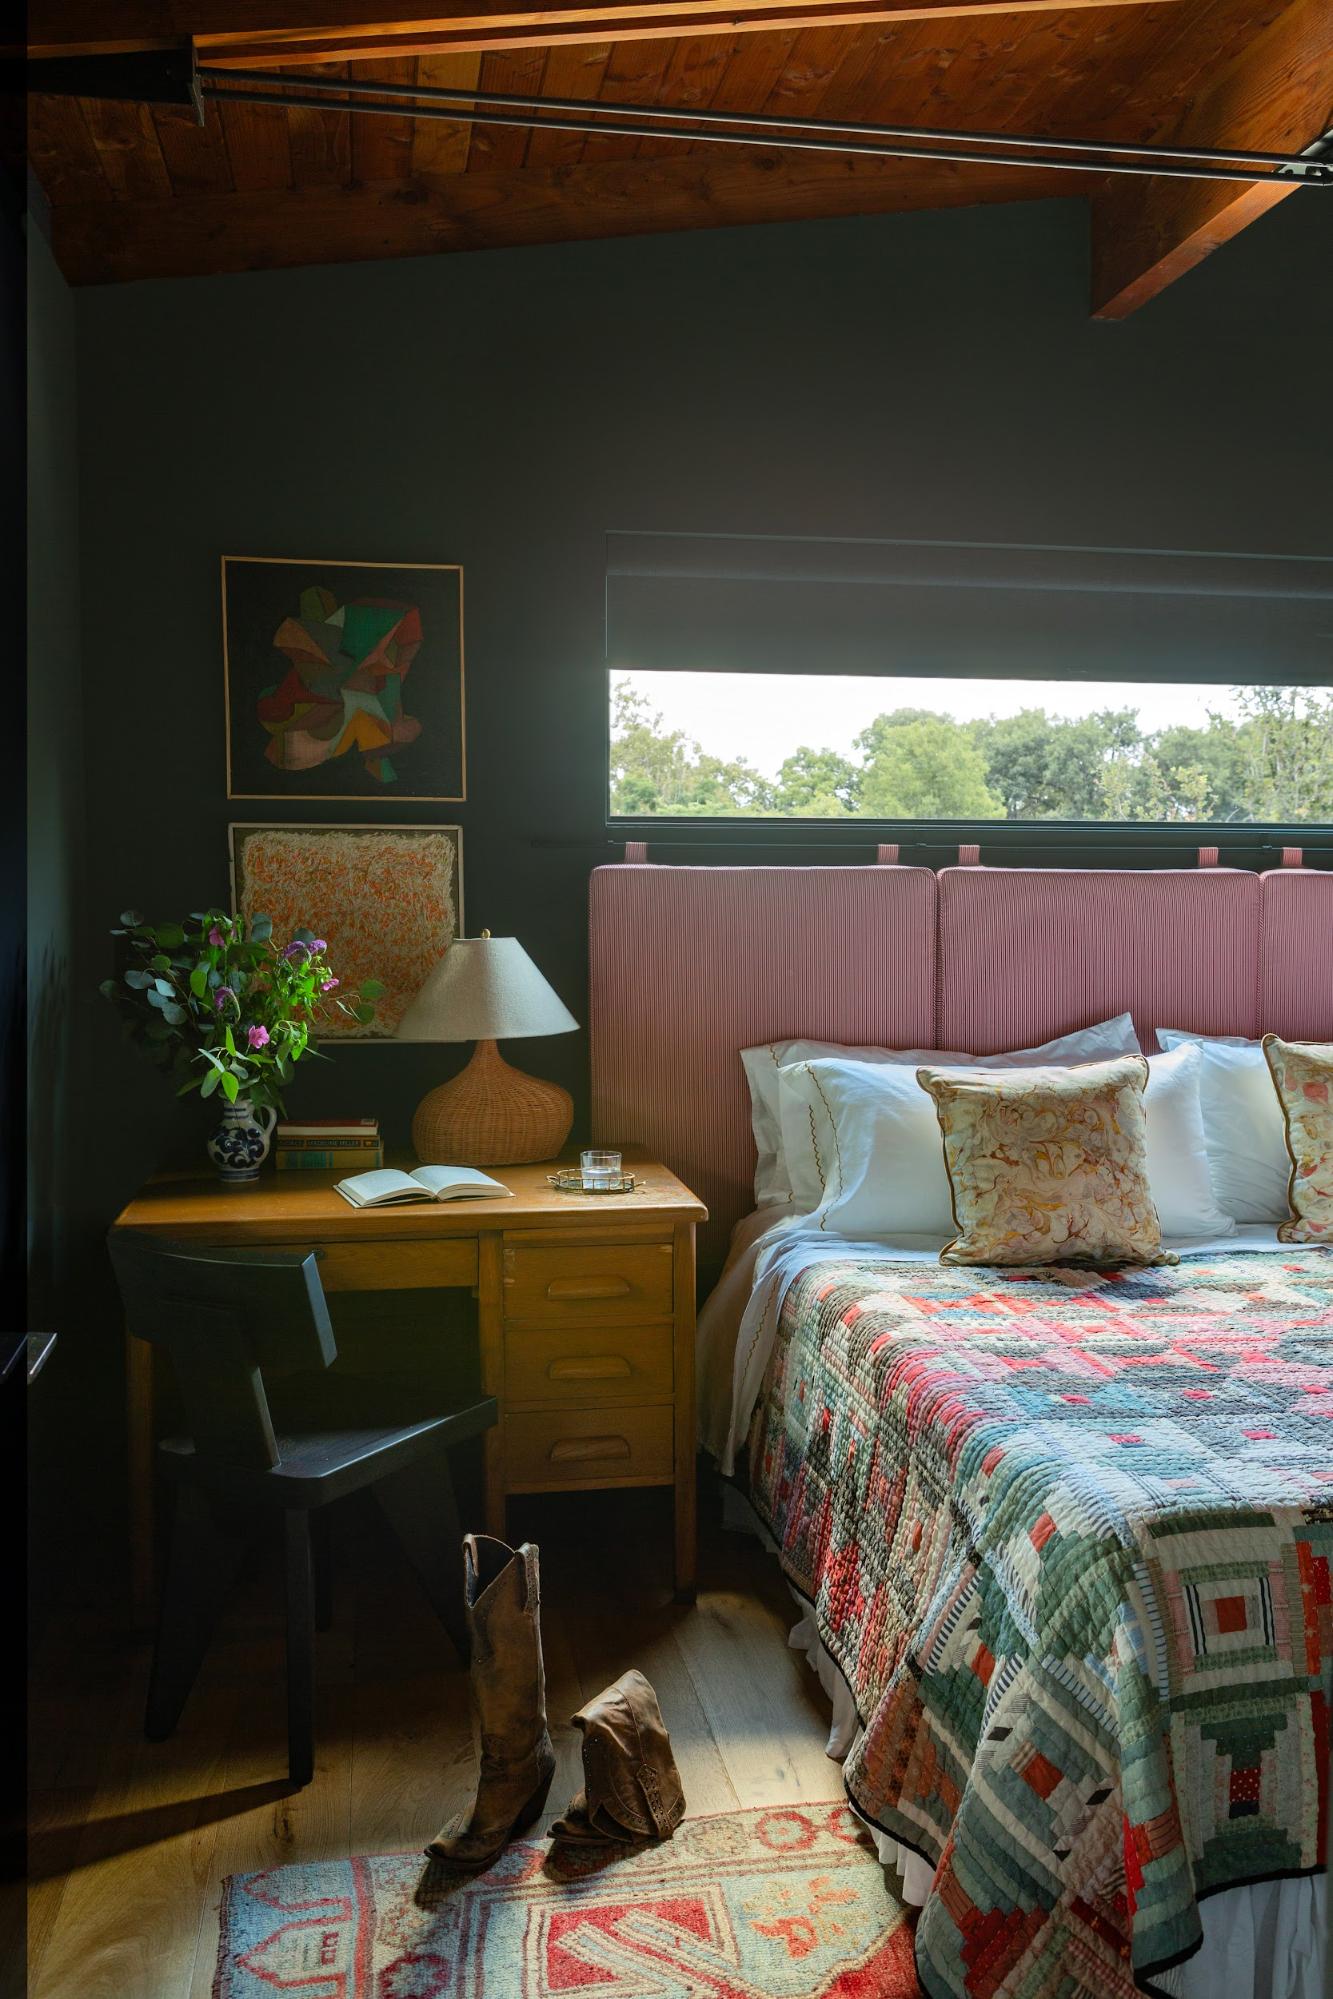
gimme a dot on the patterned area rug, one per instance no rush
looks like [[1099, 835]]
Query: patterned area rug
[[778, 1904]]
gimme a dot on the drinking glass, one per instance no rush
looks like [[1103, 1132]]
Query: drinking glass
[[601, 1170]]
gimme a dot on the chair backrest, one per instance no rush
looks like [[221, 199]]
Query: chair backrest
[[224, 1316]]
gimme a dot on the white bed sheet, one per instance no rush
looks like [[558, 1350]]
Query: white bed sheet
[[769, 1250]]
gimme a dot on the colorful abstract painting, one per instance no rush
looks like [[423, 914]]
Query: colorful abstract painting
[[343, 680], [388, 900]]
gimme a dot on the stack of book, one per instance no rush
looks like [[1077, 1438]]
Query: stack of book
[[350, 1145]]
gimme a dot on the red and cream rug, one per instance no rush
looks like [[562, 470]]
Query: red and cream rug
[[787, 1903]]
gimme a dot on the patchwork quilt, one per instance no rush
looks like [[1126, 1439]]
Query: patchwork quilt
[[1067, 1534]]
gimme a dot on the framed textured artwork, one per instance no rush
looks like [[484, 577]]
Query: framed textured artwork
[[388, 899], [343, 680]]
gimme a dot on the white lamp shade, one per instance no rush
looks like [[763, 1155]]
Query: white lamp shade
[[485, 989]]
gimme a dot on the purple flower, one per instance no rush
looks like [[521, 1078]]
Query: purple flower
[[215, 936], [296, 949], [329, 985], [319, 947], [221, 996], [257, 1036]]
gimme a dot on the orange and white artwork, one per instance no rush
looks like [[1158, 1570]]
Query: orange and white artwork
[[387, 899]]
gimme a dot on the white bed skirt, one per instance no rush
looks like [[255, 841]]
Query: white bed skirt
[[1265, 1941]]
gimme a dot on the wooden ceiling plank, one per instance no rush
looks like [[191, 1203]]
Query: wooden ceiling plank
[[573, 70], [259, 145], [693, 77], [382, 147], [62, 153], [196, 155], [437, 147], [1276, 94], [635, 73], [321, 141], [495, 147], [103, 242], [315, 31], [126, 141]]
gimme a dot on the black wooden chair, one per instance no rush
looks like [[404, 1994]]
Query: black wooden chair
[[271, 1432]]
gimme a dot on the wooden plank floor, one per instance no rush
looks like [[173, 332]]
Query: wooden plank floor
[[131, 1840]]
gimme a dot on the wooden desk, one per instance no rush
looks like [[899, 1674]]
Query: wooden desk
[[585, 1318]]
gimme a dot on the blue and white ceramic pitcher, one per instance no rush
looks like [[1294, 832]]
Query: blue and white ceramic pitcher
[[239, 1146]]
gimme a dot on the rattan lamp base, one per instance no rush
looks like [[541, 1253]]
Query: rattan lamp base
[[491, 1115]]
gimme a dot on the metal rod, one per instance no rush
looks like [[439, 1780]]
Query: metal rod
[[710, 115], [602, 126]]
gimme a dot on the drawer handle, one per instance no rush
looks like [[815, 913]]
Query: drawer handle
[[582, 1450], [596, 1367], [588, 1287]]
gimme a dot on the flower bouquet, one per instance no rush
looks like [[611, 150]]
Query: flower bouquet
[[223, 1007]]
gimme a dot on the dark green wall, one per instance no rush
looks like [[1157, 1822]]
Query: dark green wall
[[924, 375]]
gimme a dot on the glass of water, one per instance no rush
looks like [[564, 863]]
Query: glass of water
[[601, 1171]]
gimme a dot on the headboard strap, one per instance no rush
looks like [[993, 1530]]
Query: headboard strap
[[886, 854], [636, 852], [969, 857], [1293, 857], [1208, 857]]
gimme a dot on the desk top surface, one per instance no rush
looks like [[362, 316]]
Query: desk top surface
[[305, 1205]]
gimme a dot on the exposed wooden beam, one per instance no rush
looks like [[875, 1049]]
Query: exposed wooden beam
[[255, 33], [1276, 96], [99, 242]]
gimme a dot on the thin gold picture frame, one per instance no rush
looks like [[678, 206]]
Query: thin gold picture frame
[[347, 798], [239, 826]]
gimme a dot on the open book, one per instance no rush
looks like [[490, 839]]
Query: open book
[[428, 1183]]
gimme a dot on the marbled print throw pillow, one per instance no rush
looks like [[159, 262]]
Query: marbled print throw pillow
[[1302, 1073], [1048, 1165]]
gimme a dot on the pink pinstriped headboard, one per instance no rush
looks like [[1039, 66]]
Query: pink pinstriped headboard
[[690, 965]]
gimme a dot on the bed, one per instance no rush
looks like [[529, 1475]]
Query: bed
[[1063, 1537]]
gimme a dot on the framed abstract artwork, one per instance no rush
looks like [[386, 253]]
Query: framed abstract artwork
[[343, 680], [389, 900]]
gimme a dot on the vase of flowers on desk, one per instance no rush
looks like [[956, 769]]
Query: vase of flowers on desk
[[229, 1012]]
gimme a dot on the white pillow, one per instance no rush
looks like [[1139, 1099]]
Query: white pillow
[[771, 1179], [865, 1155], [1243, 1126]]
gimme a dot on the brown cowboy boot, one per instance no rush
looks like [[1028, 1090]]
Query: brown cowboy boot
[[631, 1786], [509, 1699]]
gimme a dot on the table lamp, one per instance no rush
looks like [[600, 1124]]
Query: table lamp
[[487, 989]]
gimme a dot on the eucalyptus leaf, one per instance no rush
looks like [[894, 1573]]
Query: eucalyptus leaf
[[363, 1013], [170, 935], [131, 919], [160, 963], [372, 989], [154, 998], [158, 1030], [109, 989], [174, 1013], [165, 987], [261, 929], [138, 981]]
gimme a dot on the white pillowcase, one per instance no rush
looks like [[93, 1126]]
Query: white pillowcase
[[864, 1152], [1243, 1126], [772, 1181]]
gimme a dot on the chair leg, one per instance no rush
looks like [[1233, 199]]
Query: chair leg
[[300, 1648], [418, 1502], [321, 1543], [205, 1556]]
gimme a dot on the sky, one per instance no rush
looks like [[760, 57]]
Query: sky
[[763, 717]]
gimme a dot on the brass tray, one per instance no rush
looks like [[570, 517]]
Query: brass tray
[[571, 1182]]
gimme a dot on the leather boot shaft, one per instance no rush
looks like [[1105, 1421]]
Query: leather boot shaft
[[508, 1681]]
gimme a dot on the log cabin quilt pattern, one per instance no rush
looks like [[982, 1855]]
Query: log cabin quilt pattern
[[1067, 1535]]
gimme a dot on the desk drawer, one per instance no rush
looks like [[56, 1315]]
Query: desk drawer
[[398, 1266], [576, 1365], [596, 1284], [549, 1448]]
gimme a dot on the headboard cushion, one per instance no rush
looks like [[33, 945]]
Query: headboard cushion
[[1028, 953], [690, 965], [1296, 954]]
